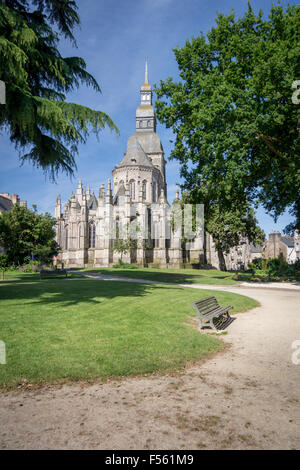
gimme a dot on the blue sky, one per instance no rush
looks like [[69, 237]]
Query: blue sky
[[114, 39]]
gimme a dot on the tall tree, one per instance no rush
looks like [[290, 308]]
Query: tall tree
[[41, 123], [232, 113], [24, 232], [227, 225]]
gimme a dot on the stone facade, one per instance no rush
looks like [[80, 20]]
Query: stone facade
[[87, 226], [288, 246], [7, 201]]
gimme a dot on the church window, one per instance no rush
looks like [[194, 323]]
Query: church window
[[144, 189], [154, 192], [66, 238], [92, 234], [155, 235], [80, 234], [132, 189], [117, 228]]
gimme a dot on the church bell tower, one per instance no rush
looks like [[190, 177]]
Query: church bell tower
[[145, 118]]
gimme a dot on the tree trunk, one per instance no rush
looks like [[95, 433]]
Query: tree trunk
[[222, 263]]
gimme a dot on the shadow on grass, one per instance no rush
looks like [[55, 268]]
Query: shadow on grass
[[62, 293], [176, 278]]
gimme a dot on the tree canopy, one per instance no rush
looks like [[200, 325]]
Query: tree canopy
[[45, 128], [232, 114], [25, 233]]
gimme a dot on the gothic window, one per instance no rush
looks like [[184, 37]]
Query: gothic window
[[117, 228], [92, 234], [155, 235], [154, 192], [80, 234], [132, 189], [66, 237], [144, 190]]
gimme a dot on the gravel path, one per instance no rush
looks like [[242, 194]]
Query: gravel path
[[245, 398]]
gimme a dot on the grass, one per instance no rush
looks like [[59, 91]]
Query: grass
[[64, 330], [178, 276]]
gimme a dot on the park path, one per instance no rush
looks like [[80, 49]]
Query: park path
[[247, 397]]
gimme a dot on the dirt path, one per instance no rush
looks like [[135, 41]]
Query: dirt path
[[245, 398]]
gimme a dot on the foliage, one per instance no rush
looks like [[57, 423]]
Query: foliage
[[232, 114], [274, 269], [227, 225], [31, 266], [3, 263], [42, 124], [123, 246], [25, 233], [121, 265]]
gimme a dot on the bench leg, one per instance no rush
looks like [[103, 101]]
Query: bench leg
[[212, 325]]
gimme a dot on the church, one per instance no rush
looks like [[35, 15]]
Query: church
[[89, 227]]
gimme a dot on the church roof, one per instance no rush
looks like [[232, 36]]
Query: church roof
[[289, 241], [149, 141], [92, 203], [135, 154]]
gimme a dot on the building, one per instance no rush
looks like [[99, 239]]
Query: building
[[7, 202], [288, 246], [88, 225]]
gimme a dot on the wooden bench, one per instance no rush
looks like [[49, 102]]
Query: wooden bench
[[56, 272], [208, 309]]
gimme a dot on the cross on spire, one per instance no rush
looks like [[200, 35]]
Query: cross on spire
[[146, 73]]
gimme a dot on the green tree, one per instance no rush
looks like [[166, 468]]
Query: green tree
[[232, 113], [227, 225], [3, 264], [45, 128], [24, 232]]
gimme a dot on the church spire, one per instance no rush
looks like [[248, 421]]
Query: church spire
[[145, 118], [146, 73]]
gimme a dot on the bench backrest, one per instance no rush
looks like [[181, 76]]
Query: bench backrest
[[54, 273], [205, 306]]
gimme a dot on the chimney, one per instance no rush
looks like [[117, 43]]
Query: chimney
[[14, 198]]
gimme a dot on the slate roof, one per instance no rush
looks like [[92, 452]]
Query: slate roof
[[92, 203], [289, 241], [135, 155], [5, 204]]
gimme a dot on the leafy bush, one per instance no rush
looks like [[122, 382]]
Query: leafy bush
[[122, 265], [32, 266]]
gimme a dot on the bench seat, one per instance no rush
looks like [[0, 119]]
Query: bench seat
[[208, 309], [56, 272]]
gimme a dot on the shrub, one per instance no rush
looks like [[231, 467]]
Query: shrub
[[122, 265]]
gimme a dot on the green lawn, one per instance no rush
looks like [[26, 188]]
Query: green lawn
[[178, 276], [59, 329]]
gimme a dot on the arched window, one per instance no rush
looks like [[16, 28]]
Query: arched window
[[144, 190], [156, 234], [154, 192], [80, 234], [92, 234], [66, 237], [132, 189], [117, 227]]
